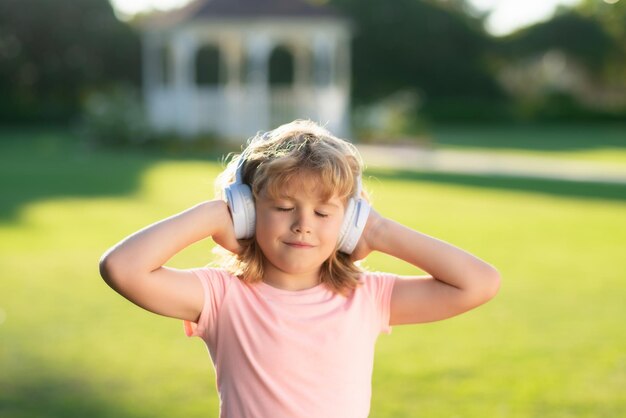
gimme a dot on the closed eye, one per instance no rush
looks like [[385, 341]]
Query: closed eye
[[283, 209]]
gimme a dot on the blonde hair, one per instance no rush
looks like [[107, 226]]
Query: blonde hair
[[271, 160]]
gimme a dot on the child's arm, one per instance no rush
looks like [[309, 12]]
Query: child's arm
[[134, 267], [458, 280]]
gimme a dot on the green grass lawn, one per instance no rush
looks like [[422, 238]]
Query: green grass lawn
[[551, 344]]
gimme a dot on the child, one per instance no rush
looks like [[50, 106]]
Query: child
[[290, 321]]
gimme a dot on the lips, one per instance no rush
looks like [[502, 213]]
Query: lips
[[298, 244]]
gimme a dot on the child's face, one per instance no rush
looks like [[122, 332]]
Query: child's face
[[299, 232]]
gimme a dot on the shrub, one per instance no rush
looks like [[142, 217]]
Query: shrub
[[116, 118]]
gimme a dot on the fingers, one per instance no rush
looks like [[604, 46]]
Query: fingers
[[367, 240], [225, 235]]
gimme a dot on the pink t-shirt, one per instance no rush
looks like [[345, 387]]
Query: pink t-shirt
[[292, 354]]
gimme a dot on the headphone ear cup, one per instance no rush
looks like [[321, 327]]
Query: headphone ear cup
[[241, 203], [347, 219], [353, 224]]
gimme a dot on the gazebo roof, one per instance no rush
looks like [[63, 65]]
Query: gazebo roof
[[219, 9], [248, 8]]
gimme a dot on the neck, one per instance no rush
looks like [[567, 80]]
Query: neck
[[293, 282]]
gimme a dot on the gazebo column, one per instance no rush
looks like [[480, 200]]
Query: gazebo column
[[184, 49], [322, 60], [342, 56], [344, 80], [302, 78], [258, 47], [232, 52], [330, 103]]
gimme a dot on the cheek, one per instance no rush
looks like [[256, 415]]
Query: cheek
[[262, 228], [268, 226], [332, 229], [260, 225]]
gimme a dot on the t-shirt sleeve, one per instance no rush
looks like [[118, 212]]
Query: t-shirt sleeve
[[380, 287], [215, 284]]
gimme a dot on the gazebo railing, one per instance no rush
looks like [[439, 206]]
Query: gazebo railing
[[236, 112]]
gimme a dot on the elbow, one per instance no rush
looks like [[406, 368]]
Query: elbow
[[104, 266], [118, 271], [109, 270], [485, 286], [492, 280]]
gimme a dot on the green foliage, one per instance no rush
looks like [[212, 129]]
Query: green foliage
[[53, 51], [559, 106], [394, 119], [611, 16], [578, 36], [570, 68], [417, 45], [469, 110], [116, 118]]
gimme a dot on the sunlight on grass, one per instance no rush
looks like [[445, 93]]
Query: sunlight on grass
[[547, 346]]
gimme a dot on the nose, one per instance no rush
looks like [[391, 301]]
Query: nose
[[301, 224]]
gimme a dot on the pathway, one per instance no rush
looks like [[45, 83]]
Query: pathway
[[473, 162]]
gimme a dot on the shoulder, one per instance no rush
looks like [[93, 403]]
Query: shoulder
[[218, 279], [377, 282], [373, 277], [215, 285], [378, 287], [213, 272]]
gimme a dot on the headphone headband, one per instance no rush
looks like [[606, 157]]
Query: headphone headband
[[244, 154]]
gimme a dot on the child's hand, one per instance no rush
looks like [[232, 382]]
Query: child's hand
[[224, 236], [367, 241]]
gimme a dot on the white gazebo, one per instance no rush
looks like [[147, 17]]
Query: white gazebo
[[235, 67]]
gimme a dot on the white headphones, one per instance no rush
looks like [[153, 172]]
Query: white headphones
[[241, 203]]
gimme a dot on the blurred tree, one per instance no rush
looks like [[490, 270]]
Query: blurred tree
[[612, 16], [578, 36], [571, 67], [53, 51], [433, 47]]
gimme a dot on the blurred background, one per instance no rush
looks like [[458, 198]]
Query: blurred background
[[498, 126], [403, 67]]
